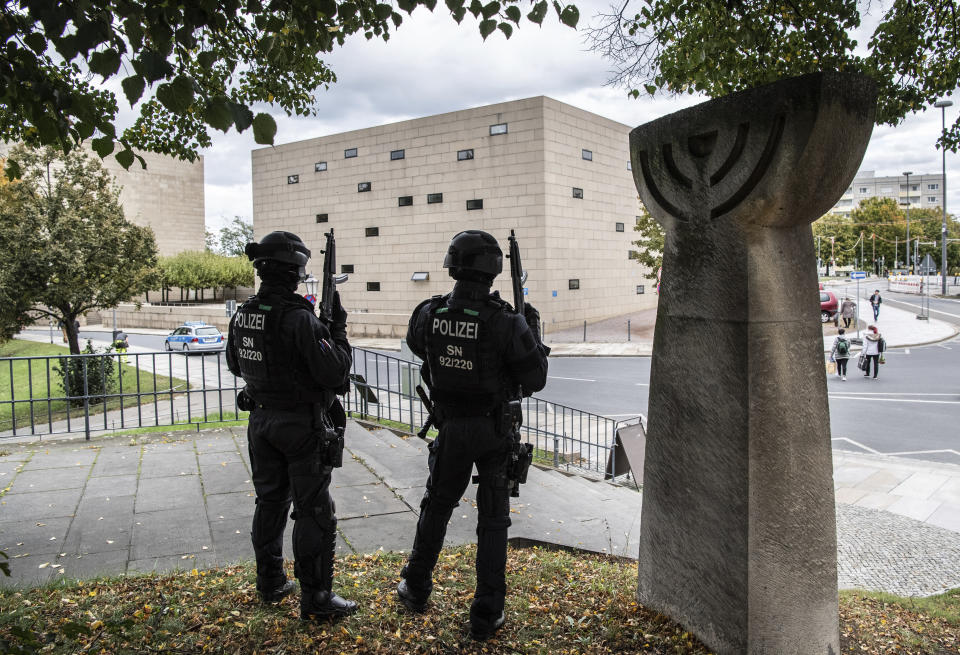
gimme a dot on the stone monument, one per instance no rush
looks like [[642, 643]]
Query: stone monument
[[738, 528]]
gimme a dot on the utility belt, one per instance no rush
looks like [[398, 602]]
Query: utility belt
[[330, 436]]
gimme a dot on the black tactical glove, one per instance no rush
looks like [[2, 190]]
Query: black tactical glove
[[533, 320], [338, 327]]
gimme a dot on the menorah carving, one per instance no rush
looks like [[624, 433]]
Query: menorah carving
[[738, 531]]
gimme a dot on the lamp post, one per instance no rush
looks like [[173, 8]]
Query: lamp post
[[943, 104], [311, 284], [908, 174]]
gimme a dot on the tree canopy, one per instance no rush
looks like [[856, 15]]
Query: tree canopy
[[231, 239], [67, 246], [717, 47], [188, 66], [206, 270]]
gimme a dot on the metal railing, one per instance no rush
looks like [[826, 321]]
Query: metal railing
[[104, 393]]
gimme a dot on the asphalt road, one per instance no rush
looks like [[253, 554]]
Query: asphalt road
[[912, 410]]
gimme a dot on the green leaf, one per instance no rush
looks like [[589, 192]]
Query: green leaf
[[103, 146], [538, 12], [134, 33], [513, 13], [264, 129], [650, 88], [407, 5], [382, 11], [85, 129], [154, 66], [487, 27], [570, 16], [207, 59], [242, 116], [12, 169], [506, 28], [36, 41], [125, 158], [177, 95], [490, 9], [105, 63], [217, 113]]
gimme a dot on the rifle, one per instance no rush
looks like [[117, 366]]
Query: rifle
[[521, 454], [430, 420], [330, 278]]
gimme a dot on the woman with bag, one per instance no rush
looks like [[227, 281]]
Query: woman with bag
[[840, 353], [871, 349]]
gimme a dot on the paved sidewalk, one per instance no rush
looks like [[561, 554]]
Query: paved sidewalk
[[184, 501]]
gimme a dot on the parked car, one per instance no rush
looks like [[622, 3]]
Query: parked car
[[829, 306], [195, 336]]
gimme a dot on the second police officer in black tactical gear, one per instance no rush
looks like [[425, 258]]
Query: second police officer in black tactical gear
[[294, 365], [476, 352]]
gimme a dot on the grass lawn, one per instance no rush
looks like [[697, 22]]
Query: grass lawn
[[38, 380], [558, 602]]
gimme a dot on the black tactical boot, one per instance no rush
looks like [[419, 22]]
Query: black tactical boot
[[415, 602], [276, 591], [483, 630], [323, 605]]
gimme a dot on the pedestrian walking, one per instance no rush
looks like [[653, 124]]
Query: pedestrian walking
[[848, 310], [840, 353], [294, 365], [477, 352], [873, 347], [875, 301]]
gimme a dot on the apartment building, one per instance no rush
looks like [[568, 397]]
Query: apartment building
[[395, 195], [920, 190]]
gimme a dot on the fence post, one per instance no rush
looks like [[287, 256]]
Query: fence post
[[584, 331], [556, 451], [628, 329], [86, 401]]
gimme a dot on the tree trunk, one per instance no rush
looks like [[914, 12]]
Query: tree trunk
[[73, 333]]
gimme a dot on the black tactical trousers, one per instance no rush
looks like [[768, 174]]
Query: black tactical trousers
[[285, 458], [462, 443]]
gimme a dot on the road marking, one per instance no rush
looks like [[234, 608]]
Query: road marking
[[857, 444], [902, 400], [937, 311], [643, 384], [926, 452], [554, 377], [887, 393]]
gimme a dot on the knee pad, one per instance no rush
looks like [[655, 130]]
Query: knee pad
[[324, 514]]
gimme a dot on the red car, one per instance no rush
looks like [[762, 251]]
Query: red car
[[829, 305]]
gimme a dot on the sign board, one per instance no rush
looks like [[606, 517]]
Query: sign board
[[928, 266], [858, 275], [628, 453]]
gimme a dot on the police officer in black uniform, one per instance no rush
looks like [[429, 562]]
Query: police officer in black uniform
[[293, 365], [477, 353]]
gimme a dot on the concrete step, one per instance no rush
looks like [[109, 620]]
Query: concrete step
[[399, 465]]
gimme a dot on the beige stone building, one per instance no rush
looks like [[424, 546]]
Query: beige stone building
[[167, 196], [395, 195]]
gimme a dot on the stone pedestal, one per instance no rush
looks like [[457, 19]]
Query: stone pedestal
[[738, 532]]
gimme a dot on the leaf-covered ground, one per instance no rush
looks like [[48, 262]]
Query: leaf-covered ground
[[558, 602]]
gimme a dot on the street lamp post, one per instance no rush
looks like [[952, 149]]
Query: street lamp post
[[908, 174], [311, 284], [943, 104]]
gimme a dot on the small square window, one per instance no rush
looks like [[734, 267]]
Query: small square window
[[499, 128], [587, 154], [349, 153], [346, 268], [475, 204], [578, 193], [629, 165], [373, 231], [373, 286], [863, 189], [933, 187], [396, 154], [363, 186], [463, 155], [319, 166], [404, 201], [573, 284], [639, 289], [420, 276], [931, 198], [293, 179], [433, 198], [914, 187], [619, 227], [322, 218]]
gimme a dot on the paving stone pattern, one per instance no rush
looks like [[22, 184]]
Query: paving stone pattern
[[129, 505]]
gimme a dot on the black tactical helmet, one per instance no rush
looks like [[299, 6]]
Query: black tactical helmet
[[474, 252], [283, 247]]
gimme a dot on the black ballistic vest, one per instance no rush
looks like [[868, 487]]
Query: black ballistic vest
[[461, 353], [268, 363]]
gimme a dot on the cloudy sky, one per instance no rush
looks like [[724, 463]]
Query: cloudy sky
[[431, 65]]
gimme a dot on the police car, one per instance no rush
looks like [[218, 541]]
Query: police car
[[195, 336]]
